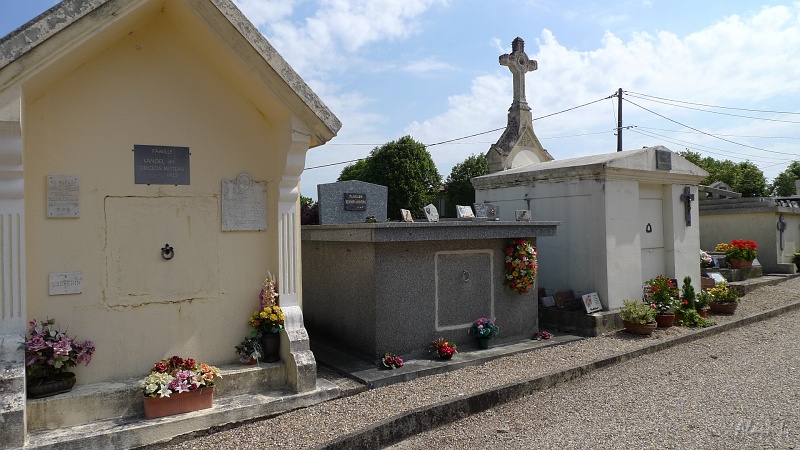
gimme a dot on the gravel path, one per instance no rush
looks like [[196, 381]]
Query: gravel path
[[709, 414]]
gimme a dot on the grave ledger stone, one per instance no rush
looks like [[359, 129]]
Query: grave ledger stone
[[351, 202]]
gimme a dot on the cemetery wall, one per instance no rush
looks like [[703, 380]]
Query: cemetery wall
[[759, 227], [154, 86]]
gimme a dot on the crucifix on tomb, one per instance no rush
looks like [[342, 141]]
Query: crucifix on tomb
[[518, 145], [687, 198], [519, 64]]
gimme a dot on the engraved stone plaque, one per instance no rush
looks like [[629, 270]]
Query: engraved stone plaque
[[160, 164], [355, 202], [62, 283], [63, 196], [663, 160], [244, 204]]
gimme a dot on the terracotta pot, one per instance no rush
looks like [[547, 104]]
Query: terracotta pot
[[678, 316], [740, 264], [250, 361], [197, 399], [270, 347], [724, 308], [640, 328], [49, 386], [665, 320], [703, 312]]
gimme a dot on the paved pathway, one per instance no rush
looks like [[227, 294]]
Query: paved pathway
[[738, 389]]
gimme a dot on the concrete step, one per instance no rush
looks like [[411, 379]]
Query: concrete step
[[132, 432], [746, 286], [12, 392]]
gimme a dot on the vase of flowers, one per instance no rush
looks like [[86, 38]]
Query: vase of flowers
[[48, 355], [521, 265], [445, 349], [178, 385], [638, 317], [740, 253], [483, 329], [267, 323], [663, 293], [724, 300], [705, 260], [249, 350]]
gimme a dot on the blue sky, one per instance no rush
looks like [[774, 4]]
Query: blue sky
[[429, 68]]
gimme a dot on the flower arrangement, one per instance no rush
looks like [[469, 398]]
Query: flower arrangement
[[638, 312], [391, 361], [722, 247], [722, 293], [662, 292], [521, 265], [706, 260], [443, 347], [248, 349], [543, 335], [703, 301], [176, 375], [483, 328], [49, 352], [269, 292], [268, 320], [741, 250], [796, 257]]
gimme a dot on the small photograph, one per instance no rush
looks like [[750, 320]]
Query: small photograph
[[406, 214], [523, 215], [464, 211]]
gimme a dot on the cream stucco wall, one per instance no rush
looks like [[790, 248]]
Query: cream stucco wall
[[152, 86]]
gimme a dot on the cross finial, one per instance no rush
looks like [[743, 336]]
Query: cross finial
[[519, 64]]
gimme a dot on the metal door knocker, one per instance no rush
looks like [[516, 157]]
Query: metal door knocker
[[648, 228], [465, 276], [167, 252]]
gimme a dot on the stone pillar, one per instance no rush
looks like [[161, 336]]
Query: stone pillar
[[301, 367], [12, 277]]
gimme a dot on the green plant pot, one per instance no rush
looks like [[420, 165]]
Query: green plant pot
[[483, 343]]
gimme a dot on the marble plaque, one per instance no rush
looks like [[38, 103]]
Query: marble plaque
[[523, 215], [464, 211], [63, 196], [592, 302], [431, 213], [406, 215], [63, 283], [492, 211], [480, 209], [244, 204]]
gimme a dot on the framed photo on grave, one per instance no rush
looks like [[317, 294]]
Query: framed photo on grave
[[592, 302], [406, 215], [523, 215], [431, 213], [464, 211]]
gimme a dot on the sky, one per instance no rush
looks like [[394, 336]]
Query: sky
[[721, 78]]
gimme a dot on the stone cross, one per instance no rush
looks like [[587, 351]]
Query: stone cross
[[519, 64], [687, 198]]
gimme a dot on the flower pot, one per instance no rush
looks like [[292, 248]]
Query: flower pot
[[445, 356], [195, 400], [724, 308], [640, 328], [665, 320], [678, 316], [271, 347], [483, 343], [740, 264], [250, 361], [703, 312], [49, 386]]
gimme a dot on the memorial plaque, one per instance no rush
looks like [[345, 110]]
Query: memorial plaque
[[244, 204], [63, 283], [663, 160], [523, 215], [480, 209], [63, 197], [464, 211], [431, 213], [160, 164], [492, 211], [592, 302], [355, 202]]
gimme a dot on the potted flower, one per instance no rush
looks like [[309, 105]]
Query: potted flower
[[521, 266], [267, 323], [705, 260], [445, 349], [483, 329], [48, 355], [702, 303], [638, 317], [740, 253], [796, 260], [723, 299], [249, 350], [178, 385], [663, 293]]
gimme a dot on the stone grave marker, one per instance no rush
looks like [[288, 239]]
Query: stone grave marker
[[244, 204], [431, 213], [464, 211], [351, 202], [406, 215]]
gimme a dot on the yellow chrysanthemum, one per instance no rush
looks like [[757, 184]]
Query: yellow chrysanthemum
[[263, 315], [273, 317]]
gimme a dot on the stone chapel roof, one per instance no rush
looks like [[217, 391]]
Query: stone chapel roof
[[66, 25], [639, 164]]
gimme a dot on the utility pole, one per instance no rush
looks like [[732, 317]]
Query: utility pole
[[619, 120]]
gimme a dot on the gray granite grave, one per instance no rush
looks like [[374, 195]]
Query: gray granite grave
[[351, 202]]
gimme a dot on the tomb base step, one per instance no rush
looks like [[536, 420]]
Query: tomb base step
[[578, 321], [746, 286], [12, 387], [132, 432]]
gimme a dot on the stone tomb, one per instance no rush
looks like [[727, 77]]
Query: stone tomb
[[373, 288], [351, 202]]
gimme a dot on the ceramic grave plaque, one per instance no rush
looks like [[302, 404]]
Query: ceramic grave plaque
[[592, 302], [244, 204], [464, 211], [523, 215], [431, 213], [406, 214]]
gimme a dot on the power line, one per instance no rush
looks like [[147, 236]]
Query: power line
[[715, 106], [691, 145], [718, 112], [721, 134]]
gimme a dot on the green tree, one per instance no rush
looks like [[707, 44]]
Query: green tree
[[457, 188], [750, 180], [783, 184], [744, 177], [406, 168]]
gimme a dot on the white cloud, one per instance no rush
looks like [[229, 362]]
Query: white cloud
[[261, 12], [427, 65]]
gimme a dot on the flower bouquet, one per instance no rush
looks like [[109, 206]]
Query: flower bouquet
[[662, 292], [443, 348], [266, 323], [742, 252], [178, 385], [391, 361], [483, 329], [48, 355], [249, 350], [521, 265]]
